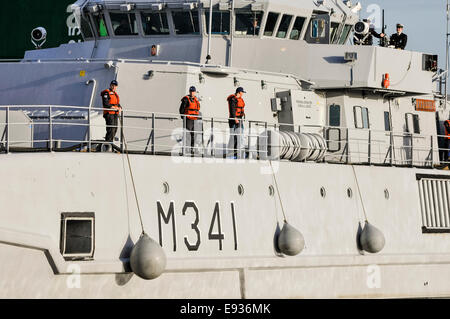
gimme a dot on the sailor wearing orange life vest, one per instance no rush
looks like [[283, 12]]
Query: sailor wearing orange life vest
[[112, 108], [190, 112], [447, 139], [236, 108]]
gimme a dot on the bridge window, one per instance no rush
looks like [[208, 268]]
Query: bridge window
[[85, 27], [186, 22], [361, 117], [284, 26], [155, 23], [333, 30], [271, 22], [220, 22], [248, 23], [297, 28], [77, 235], [345, 34], [124, 23], [100, 25], [318, 28]]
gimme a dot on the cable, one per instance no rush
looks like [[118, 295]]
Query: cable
[[278, 191], [359, 192], [132, 181]]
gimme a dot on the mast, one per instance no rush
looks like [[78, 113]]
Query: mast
[[230, 54], [208, 56], [446, 57]]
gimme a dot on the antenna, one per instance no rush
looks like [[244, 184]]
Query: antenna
[[230, 54], [383, 30], [446, 57]]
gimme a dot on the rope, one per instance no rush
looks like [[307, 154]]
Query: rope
[[132, 181], [278, 191], [359, 192]]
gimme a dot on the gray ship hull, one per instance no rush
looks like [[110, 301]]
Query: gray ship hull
[[38, 188]]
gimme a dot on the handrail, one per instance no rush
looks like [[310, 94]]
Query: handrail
[[165, 133]]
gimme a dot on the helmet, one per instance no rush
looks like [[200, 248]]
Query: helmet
[[114, 82], [192, 89]]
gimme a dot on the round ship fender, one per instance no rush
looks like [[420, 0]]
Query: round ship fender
[[147, 259]]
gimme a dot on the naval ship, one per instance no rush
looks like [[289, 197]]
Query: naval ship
[[338, 190]]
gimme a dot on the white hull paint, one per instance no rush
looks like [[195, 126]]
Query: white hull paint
[[37, 188]]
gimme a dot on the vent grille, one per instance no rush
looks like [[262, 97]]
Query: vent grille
[[434, 203]]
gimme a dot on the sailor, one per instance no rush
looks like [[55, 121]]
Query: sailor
[[367, 39], [190, 111], [254, 28], [399, 39], [447, 140], [112, 108], [236, 106], [154, 50]]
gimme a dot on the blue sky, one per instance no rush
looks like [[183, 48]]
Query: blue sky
[[424, 20]]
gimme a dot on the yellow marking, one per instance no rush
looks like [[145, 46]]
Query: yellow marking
[[82, 73]]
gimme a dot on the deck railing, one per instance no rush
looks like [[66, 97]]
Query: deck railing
[[73, 128]]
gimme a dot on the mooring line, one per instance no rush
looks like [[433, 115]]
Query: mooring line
[[132, 181], [278, 191], [359, 192]]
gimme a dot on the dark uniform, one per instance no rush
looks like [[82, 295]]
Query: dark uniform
[[399, 40], [190, 109], [111, 105], [360, 39]]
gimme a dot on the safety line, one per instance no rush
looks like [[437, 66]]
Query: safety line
[[278, 191], [359, 192], [132, 181]]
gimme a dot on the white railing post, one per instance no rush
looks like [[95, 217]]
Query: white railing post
[[89, 130], [212, 138], [50, 128], [7, 129], [153, 133]]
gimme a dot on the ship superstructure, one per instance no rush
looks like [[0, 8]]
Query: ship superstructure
[[336, 135]]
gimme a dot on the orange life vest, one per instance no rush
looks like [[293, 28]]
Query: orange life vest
[[114, 101], [193, 108], [447, 133], [239, 107]]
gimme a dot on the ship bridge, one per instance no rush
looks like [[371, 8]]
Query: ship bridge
[[307, 38]]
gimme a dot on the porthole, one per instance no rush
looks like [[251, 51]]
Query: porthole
[[240, 189], [323, 192], [349, 192], [166, 188], [271, 190], [386, 193]]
